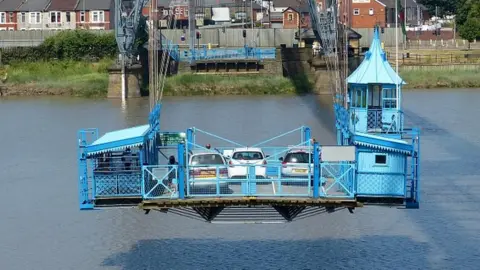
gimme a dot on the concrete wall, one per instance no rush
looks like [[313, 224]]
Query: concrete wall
[[28, 38], [229, 38], [234, 38]]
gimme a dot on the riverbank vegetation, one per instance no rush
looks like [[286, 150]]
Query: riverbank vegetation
[[191, 84], [76, 63], [436, 78], [62, 77], [69, 63]]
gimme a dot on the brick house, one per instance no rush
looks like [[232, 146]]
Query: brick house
[[31, 15], [295, 17], [94, 14], [8, 15], [367, 13], [61, 15]]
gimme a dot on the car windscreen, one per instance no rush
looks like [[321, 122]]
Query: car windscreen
[[207, 159], [299, 157], [248, 155]]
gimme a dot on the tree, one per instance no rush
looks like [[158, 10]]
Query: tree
[[470, 30], [445, 7]]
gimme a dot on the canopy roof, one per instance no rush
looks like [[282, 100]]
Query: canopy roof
[[375, 68], [382, 143], [119, 140]]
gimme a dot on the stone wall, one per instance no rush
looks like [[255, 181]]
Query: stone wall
[[133, 78]]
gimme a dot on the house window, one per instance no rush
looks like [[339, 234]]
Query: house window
[[82, 16], [356, 11], [55, 17], [23, 17], [380, 159], [35, 17], [370, 12], [290, 17], [97, 16], [10, 17], [68, 17], [3, 17]]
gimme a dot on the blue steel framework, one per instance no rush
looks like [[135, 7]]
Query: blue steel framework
[[157, 186]]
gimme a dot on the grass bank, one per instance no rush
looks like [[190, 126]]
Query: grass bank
[[87, 79], [73, 78], [190, 85], [436, 78]]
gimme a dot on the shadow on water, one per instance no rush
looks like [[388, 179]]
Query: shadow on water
[[294, 66], [272, 254], [451, 142]]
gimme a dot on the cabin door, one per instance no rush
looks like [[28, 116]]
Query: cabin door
[[374, 115]]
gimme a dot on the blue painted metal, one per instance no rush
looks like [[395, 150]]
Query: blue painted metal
[[382, 143], [155, 182], [227, 53], [181, 170], [120, 139], [84, 189], [375, 68], [316, 170]]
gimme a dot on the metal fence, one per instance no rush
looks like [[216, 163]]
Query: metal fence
[[228, 53]]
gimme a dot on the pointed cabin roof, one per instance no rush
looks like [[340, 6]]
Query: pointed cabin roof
[[375, 67]]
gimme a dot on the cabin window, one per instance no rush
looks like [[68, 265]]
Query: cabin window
[[290, 16], [356, 11], [374, 96], [359, 98], [380, 159], [389, 98]]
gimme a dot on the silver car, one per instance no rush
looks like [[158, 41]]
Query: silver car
[[297, 164], [203, 166]]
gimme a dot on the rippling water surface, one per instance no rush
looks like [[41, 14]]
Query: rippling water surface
[[42, 228]]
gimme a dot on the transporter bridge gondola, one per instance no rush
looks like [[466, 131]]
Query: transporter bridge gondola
[[375, 161]]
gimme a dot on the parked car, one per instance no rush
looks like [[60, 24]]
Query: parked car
[[244, 157], [297, 163], [203, 166]]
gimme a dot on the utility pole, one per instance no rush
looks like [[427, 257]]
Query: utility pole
[[299, 23], [251, 19], [436, 27], [191, 27]]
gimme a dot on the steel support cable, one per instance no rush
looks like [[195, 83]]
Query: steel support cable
[[165, 58]]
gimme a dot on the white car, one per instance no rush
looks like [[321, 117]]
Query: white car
[[296, 163], [203, 166], [247, 156]]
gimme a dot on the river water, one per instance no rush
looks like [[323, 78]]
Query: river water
[[42, 228]]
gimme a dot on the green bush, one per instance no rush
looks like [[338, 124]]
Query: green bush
[[66, 45]]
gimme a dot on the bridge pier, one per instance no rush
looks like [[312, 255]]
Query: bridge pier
[[133, 77]]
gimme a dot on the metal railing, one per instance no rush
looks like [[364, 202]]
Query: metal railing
[[228, 54], [159, 181]]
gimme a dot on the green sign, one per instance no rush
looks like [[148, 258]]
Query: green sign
[[171, 138]]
